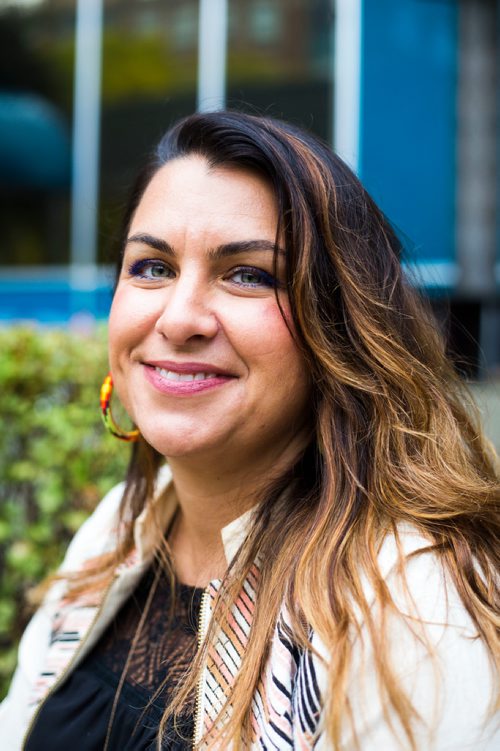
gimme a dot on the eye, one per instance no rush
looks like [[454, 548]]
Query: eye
[[248, 276], [150, 269]]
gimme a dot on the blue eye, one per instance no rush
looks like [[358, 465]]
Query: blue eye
[[248, 276], [149, 269]]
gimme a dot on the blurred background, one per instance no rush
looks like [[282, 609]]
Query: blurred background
[[405, 90]]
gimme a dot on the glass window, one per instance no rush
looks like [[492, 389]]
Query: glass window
[[36, 85], [149, 71], [148, 80], [280, 60], [265, 21]]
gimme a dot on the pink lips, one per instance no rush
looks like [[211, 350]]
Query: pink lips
[[172, 377]]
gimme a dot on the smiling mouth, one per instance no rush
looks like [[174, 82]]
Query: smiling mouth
[[185, 379], [172, 375]]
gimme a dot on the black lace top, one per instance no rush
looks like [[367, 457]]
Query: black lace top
[[77, 715]]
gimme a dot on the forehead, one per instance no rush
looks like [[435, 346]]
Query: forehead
[[188, 195]]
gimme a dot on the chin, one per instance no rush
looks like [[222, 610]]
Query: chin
[[173, 446]]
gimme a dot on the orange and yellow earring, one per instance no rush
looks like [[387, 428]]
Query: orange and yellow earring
[[107, 416]]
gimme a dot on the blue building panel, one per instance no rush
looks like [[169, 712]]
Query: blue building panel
[[408, 122], [51, 301]]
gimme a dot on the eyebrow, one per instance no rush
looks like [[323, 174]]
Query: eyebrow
[[215, 254]]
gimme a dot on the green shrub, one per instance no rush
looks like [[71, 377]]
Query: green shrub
[[56, 460]]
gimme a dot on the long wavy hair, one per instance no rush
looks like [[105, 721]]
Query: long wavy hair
[[395, 438]]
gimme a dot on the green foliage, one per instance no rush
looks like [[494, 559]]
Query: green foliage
[[56, 460]]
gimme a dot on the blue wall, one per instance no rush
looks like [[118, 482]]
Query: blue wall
[[408, 119], [51, 301]]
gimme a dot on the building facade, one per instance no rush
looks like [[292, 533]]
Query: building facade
[[405, 90]]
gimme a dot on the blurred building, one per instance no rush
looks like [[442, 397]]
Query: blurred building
[[406, 91]]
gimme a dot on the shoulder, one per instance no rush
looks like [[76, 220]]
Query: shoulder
[[418, 582], [90, 539], [97, 533], [434, 652], [96, 536]]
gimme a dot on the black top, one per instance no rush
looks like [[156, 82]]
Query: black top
[[76, 716]]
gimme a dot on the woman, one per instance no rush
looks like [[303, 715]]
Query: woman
[[318, 566]]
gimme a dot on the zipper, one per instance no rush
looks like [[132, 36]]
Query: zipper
[[68, 667], [203, 622]]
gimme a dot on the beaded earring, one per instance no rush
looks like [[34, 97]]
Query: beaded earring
[[107, 417]]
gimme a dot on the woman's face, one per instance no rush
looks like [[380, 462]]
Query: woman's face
[[200, 354]]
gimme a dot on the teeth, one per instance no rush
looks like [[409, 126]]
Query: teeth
[[171, 375]]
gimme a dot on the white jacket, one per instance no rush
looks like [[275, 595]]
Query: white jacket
[[451, 692]]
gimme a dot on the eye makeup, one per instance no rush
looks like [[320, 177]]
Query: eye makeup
[[261, 278], [139, 268]]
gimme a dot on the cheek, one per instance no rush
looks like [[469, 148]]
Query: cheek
[[128, 325], [264, 338], [129, 320], [118, 327], [274, 332], [283, 385], [286, 365]]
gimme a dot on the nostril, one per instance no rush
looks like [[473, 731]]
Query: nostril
[[178, 325]]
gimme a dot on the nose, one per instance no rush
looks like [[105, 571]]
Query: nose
[[186, 311]]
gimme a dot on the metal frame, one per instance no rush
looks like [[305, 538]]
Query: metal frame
[[346, 116], [212, 46]]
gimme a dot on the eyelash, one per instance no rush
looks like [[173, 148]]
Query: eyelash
[[266, 280], [138, 269]]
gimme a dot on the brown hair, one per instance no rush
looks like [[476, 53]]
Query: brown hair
[[396, 439]]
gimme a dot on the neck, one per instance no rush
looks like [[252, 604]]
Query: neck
[[212, 494]]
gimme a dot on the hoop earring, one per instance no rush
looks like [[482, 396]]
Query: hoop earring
[[107, 417]]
